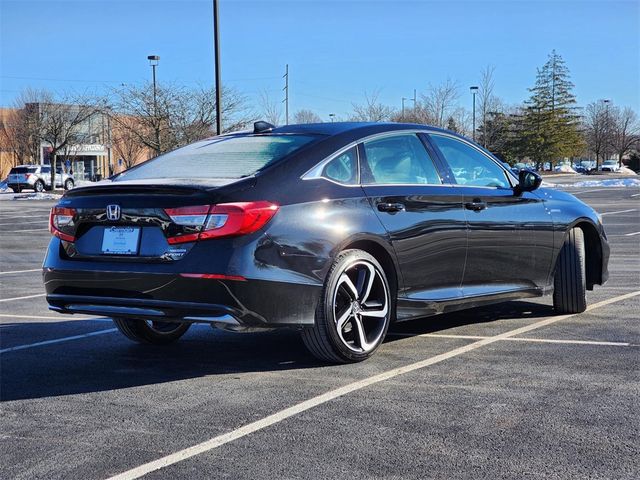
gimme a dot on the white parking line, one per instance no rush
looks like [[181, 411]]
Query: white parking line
[[619, 211], [21, 271], [57, 340], [636, 195], [22, 223], [51, 317], [515, 339], [5, 217], [282, 415], [22, 298], [594, 190], [631, 234], [30, 230]]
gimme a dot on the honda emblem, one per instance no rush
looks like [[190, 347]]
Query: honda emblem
[[113, 212]]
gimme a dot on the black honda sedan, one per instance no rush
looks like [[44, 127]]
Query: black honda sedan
[[334, 229]]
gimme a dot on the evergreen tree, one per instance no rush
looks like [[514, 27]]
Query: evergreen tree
[[551, 127], [452, 125]]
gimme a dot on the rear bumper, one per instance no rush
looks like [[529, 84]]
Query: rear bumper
[[171, 297]]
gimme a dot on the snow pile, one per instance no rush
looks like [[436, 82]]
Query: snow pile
[[626, 171], [609, 182], [84, 183], [565, 168]]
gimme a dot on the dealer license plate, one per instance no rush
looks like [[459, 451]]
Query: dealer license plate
[[120, 240]]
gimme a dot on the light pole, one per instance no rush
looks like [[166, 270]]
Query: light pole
[[332, 116], [606, 128], [216, 54], [474, 90], [153, 61], [403, 99]]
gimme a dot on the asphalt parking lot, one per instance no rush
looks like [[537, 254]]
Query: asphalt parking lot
[[508, 391]]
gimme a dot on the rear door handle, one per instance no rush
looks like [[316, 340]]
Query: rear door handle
[[476, 205], [391, 207]]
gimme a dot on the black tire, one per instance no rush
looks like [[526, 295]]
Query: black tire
[[569, 285], [39, 186], [16, 189], [68, 184], [156, 333], [367, 308]]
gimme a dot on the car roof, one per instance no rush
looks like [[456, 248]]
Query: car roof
[[335, 128]]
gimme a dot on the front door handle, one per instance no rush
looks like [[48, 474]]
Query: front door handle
[[476, 205], [391, 207]]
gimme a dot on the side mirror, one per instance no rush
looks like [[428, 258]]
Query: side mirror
[[527, 181]]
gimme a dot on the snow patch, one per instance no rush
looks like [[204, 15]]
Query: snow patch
[[31, 196], [609, 182]]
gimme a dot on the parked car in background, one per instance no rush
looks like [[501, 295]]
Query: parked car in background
[[585, 166], [334, 229], [610, 166], [37, 178]]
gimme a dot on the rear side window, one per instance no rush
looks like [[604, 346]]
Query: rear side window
[[343, 168], [224, 157], [45, 170], [399, 159], [469, 165], [22, 170]]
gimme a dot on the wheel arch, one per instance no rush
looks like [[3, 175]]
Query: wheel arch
[[593, 251], [382, 255]]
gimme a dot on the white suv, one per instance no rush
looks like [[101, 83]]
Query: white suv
[[37, 178], [610, 166]]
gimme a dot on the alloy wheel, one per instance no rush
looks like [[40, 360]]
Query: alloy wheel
[[361, 306]]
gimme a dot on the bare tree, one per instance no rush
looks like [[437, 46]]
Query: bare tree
[[440, 102], [21, 129], [125, 143], [624, 130], [596, 128], [306, 116], [488, 102], [271, 109], [371, 110], [62, 121], [18, 149], [182, 115]]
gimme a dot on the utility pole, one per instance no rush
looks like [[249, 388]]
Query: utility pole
[[415, 100], [286, 94], [216, 52]]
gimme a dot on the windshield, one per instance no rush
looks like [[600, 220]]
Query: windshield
[[225, 157]]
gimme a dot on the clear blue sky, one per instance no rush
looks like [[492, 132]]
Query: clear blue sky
[[336, 50]]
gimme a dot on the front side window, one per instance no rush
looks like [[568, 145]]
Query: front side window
[[469, 165], [399, 159], [343, 168], [223, 157]]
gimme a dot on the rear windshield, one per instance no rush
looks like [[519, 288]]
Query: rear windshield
[[225, 157], [15, 170]]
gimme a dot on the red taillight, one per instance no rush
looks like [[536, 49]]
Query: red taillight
[[27, 175], [61, 217], [222, 220], [214, 276]]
